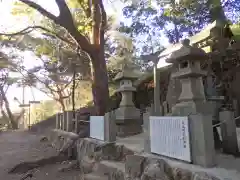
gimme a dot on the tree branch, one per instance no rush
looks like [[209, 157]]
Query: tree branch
[[29, 29], [40, 9], [65, 20], [104, 16]]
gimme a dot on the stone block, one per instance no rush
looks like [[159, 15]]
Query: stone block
[[159, 170], [86, 165], [203, 176], [134, 166], [114, 170], [110, 127], [100, 150], [228, 131], [182, 174], [146, 131], [133, 127], [201, 140]]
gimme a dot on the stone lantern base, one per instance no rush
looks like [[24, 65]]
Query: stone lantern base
[[192, 107], [128, 121]]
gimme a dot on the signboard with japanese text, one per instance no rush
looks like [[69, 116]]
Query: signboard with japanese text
[[169, 136]]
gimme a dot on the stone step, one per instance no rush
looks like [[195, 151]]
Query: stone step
[[95, 176], [109, 167]]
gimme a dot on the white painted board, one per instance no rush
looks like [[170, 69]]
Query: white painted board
[[97, 127], [169, 136]]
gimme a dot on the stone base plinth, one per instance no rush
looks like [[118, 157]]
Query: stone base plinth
[[128, 121], [126, 113], [129, 129], [192, 107]]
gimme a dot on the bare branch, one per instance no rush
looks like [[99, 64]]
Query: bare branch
[[32, 28], [22, 32], [61, 38]]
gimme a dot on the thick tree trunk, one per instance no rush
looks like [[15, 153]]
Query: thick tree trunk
[[100, 83], [100, 77]]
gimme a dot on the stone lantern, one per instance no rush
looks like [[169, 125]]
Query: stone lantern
[[192, 102], [127, 115], [189, 72]]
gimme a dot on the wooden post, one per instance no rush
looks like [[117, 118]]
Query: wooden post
[[57, 121], [156, 90]]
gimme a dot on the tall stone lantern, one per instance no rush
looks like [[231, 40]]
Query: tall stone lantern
[[189, 72], [192, 102], [127, 115]]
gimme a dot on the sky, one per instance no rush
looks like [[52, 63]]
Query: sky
[[12, 23]]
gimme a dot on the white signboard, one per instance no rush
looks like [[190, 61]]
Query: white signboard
[[169, 136], [97, 127]]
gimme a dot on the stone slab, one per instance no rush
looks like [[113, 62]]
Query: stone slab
[[202, 143]]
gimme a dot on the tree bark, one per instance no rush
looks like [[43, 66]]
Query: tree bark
[[100, 77], [100, 84], [60, 100], [62, 105]]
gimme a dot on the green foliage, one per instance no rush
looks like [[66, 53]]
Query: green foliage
[[236, 31], [174, 20], [44, 110], [83, 98], [21, 9]]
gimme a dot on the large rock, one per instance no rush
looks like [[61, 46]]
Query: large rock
[[203, 176], [181, 174], [159, 170], [101, 151], [134, 166], [138, 167]]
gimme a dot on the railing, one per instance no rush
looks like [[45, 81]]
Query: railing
[[65, 122]]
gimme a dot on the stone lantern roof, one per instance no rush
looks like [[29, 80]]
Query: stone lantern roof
[[126, 74], [186, 51]]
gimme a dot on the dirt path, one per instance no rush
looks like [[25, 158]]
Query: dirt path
[[20, 146]]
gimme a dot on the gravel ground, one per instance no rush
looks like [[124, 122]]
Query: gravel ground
[[20, 146]]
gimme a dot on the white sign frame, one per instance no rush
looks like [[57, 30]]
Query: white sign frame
[[170, 136], [97, 127]]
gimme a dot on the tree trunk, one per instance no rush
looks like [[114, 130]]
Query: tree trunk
[[100, 76], [100, 83], [12, 121], [60, 98], [61, 103]]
